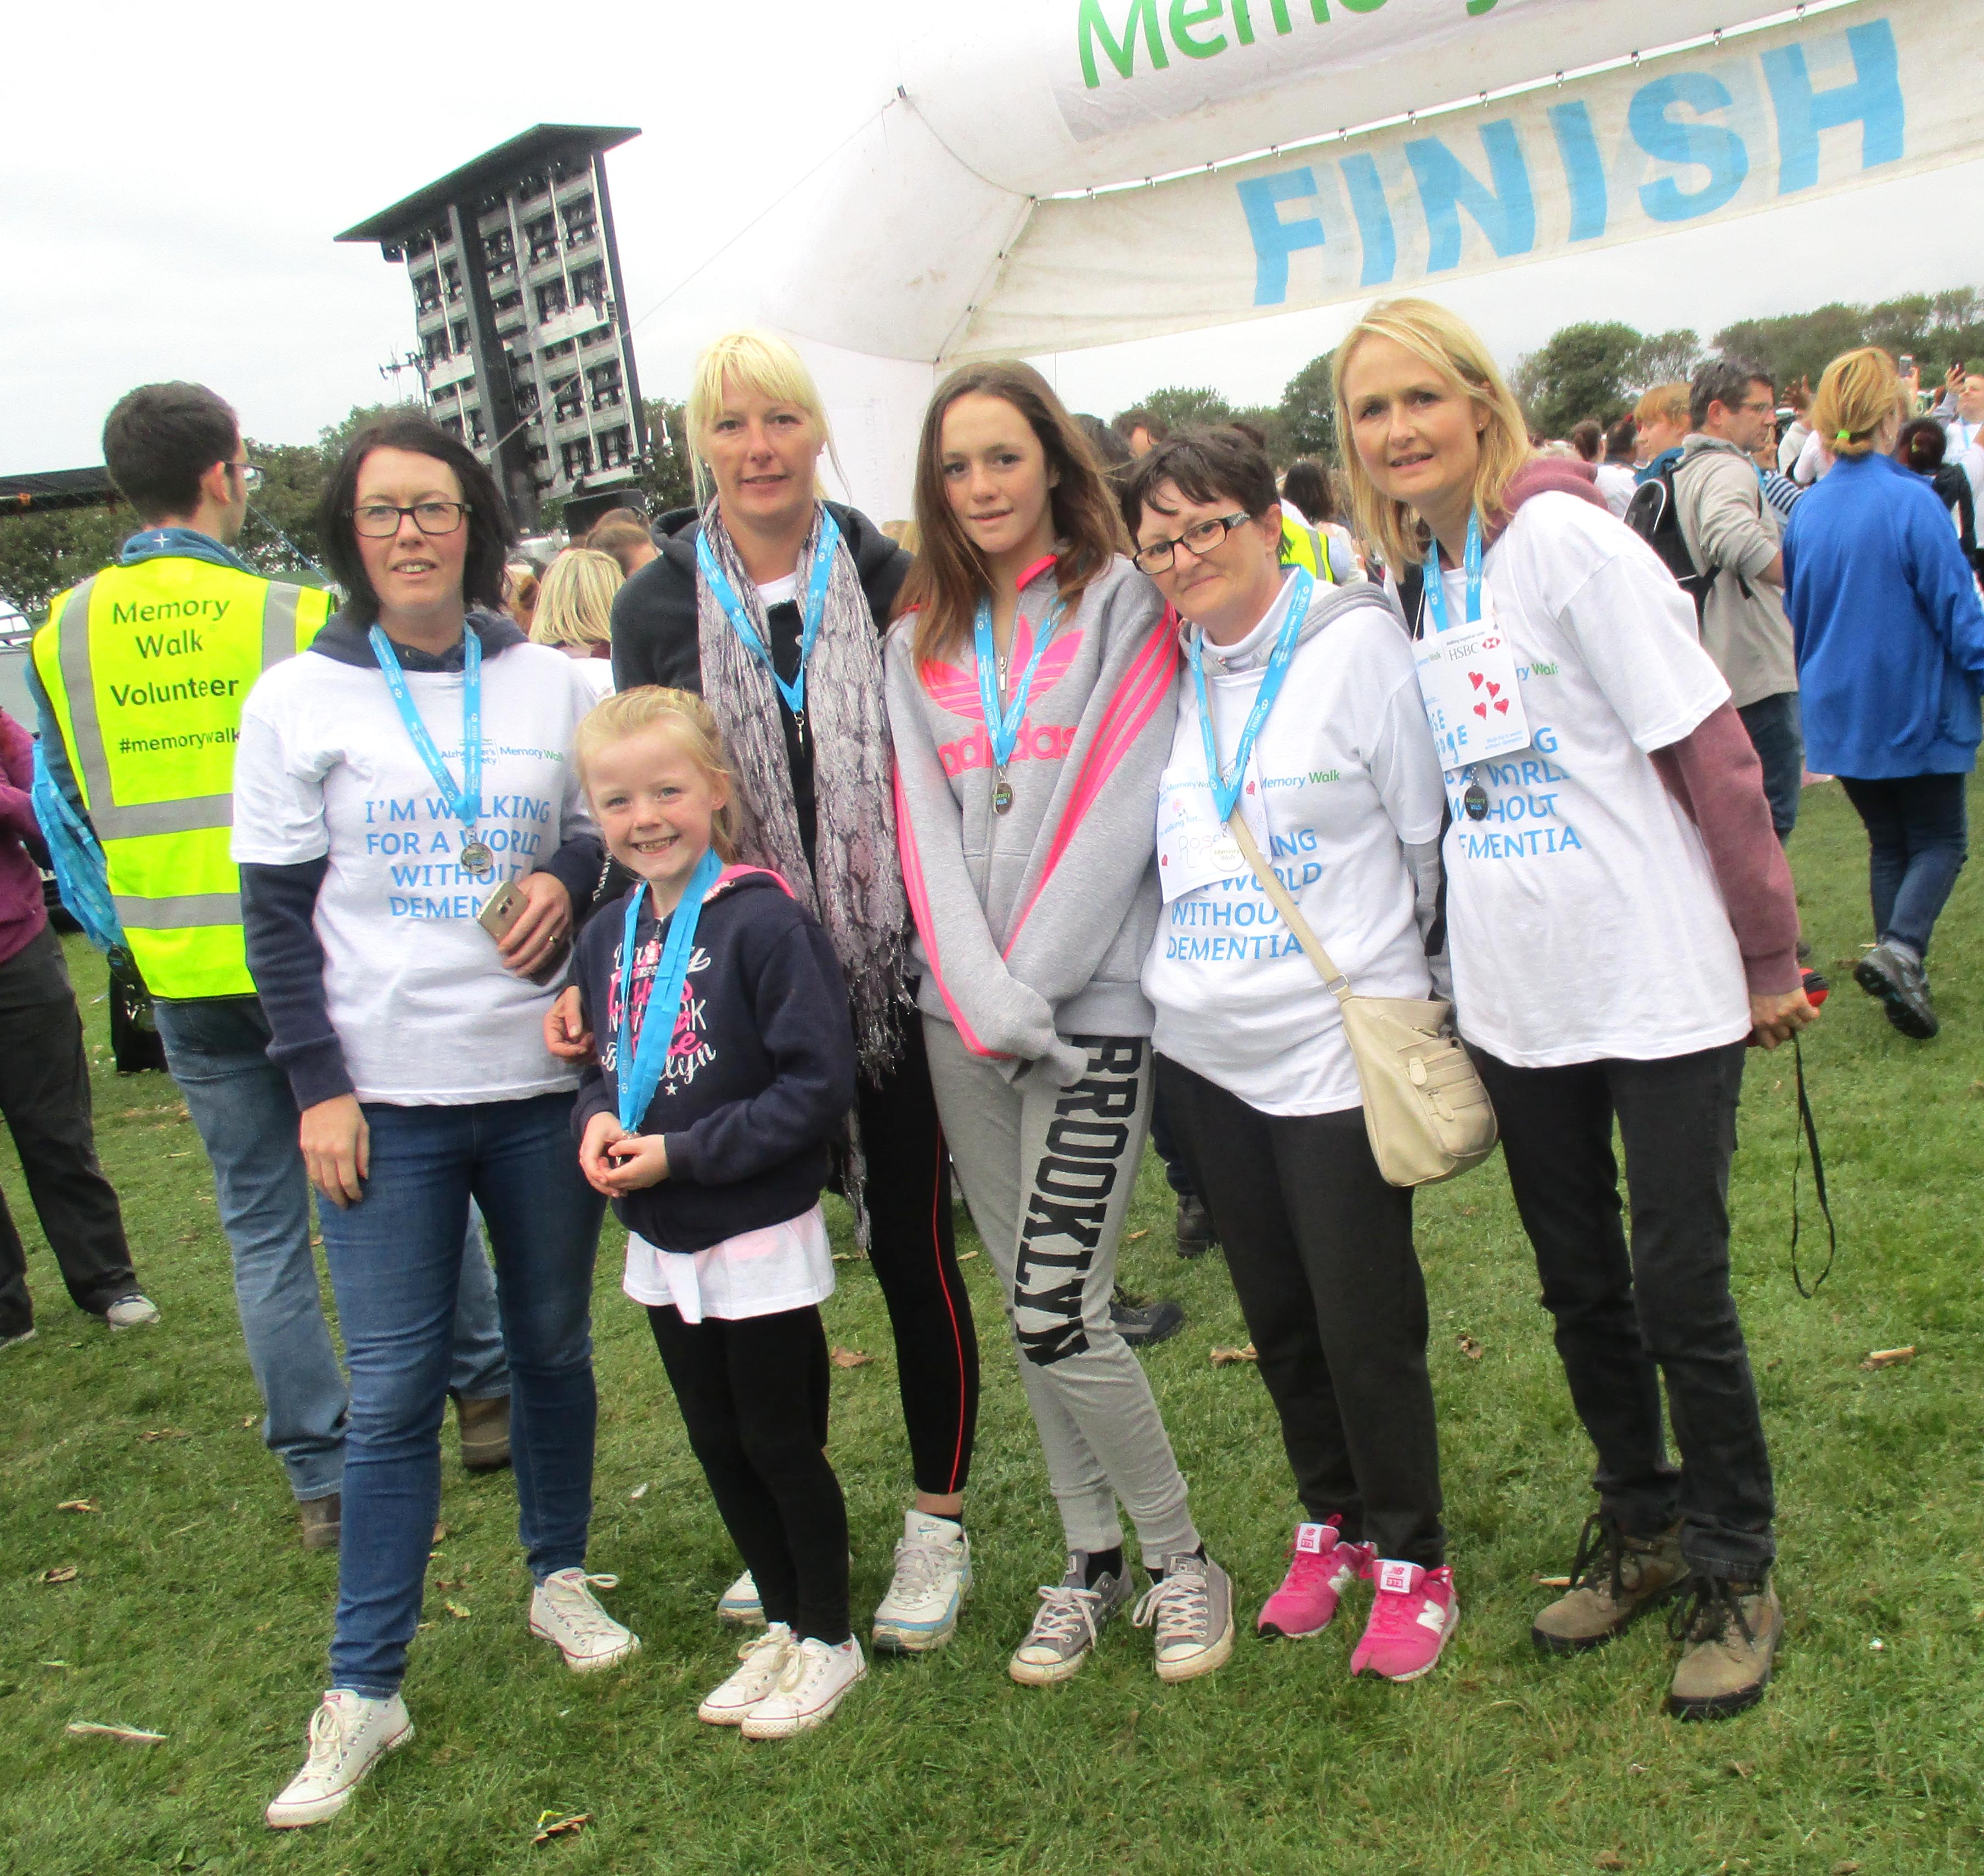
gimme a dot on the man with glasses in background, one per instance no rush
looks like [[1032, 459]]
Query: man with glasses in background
[[140, 676], [1735, 536]]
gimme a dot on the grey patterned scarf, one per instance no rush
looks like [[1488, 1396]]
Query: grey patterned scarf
[[855, 887]]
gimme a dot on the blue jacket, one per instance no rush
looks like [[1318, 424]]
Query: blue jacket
[[1888, 624]]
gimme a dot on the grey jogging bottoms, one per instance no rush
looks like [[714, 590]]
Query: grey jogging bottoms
[[1049, 1174]]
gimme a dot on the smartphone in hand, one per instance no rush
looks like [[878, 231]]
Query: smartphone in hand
[[501, 910]]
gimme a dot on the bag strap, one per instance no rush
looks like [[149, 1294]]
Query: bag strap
[[1333, 980]]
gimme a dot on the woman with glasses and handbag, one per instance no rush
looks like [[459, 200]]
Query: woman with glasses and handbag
[[412, 840], [1621, 923], [1030, 698], [1301, 746]]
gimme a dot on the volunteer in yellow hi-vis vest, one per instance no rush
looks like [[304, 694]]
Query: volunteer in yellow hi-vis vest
[[140, 675]]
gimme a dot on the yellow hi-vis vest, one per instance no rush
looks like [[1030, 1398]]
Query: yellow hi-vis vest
[[1305, 547], [146, 668]]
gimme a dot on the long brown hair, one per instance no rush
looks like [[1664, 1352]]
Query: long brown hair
[[947, 579]]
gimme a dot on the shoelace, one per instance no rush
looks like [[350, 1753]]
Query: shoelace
[[1599, 1541], [751, 1650], [327, 1741], [1712, 1603], [1395, 1614], [1180, 1606], [576, 1608], [1066, 1614], [807, 1658], [919, 1565]]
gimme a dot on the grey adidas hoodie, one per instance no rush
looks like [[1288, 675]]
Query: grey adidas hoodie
[[1033, 925]]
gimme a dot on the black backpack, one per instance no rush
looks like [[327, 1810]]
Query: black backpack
[[1653, 516]]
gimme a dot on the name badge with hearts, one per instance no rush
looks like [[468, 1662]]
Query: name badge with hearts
[[1472, 697]]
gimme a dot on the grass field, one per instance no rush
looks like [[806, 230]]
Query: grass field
[[193, 1611]]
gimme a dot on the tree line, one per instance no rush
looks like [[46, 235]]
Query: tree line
[[1593, 369]]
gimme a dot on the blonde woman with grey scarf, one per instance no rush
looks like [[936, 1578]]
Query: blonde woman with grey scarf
[[770, 603]]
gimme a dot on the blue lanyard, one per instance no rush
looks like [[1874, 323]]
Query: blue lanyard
[[466, 800], [1435, 588], [641, 1060], [824, 550], [1225, 783], [1002, 727]]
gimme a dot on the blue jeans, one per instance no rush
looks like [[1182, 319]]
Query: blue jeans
[[1777, 733], [395, 1261], [1918, 839], [240, 1104]]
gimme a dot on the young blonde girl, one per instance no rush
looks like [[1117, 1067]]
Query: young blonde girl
[[723, 1065]]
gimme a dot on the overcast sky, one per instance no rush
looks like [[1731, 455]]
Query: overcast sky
[[171, 183]]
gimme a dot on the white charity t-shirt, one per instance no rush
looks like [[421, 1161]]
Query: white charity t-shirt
[[760, 1273], [1617, 484], [424, 1010], [1342, 774], [1583, 916], [598, 675]]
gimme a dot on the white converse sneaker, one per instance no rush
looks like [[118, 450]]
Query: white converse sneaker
[[933, 1573], [347, 1733], [764, 1661], [809, 1687], [740, 1604], [565, 1610]]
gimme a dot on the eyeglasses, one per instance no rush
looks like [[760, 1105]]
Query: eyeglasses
[[1201, 537], [250, 474], [378, 521]]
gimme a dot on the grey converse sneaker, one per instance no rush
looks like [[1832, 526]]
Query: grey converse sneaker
[[1193, 1609], [1072, 1617]]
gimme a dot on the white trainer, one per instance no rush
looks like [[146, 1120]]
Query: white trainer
[[811, 1685], [764, 1661], [348, 1734], [933, 1573], [132, 1312], [563, 1610], [740, 1604]]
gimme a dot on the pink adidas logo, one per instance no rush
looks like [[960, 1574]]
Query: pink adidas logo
[[957, 691]]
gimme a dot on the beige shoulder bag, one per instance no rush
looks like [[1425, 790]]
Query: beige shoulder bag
[[1427, 1114]]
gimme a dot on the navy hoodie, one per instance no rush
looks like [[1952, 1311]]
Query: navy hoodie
[[762, 1074]]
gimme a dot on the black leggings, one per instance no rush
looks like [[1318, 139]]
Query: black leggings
[[915, 1255], [753, 1397]]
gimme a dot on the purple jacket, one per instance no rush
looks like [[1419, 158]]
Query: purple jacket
[[22, 914]]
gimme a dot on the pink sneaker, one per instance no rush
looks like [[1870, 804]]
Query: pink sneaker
[[1412, 1615], [1321, 1567]]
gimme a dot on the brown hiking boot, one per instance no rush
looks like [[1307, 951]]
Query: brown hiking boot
[[319, 1520], [1728, 1633], [1615, 1580], [485, 1427]]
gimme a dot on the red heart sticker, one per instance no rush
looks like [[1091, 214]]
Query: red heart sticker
[[1501, 704], [1494, 690], [1474, 678], [1481, 711]]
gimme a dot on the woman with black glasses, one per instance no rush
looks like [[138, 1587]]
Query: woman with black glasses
[[412, 840]]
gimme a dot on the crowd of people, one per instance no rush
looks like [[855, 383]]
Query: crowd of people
[[746, 853]]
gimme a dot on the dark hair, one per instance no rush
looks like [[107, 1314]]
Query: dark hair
[[160, 439], [1307, 485], [1921, 445], [1723, 381], [491, 533], [947, 579], [1127, 423], [1203, 466], [1253, 433], [1588, 440], [1622, 440], [1111, 452]]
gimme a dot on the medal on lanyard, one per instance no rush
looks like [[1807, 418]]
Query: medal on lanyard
[[814, 610], [642, 1056], [1003, 725], [466, 801], [1475, 801], [1226, 783]]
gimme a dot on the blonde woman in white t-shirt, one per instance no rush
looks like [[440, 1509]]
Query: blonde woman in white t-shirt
[[574, 612], [1622, 923]]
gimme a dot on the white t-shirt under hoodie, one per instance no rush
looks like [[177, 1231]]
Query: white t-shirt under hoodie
[[1342, 777], [1583, 916], [423, 1010]]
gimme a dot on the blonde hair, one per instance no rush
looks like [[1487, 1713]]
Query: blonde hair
[[575, 599], [685, 719], [1860, 391], [752, 361], [1445, 341], [1665, 403]]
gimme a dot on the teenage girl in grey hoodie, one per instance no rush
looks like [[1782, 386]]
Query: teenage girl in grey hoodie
[[1031, 700]]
